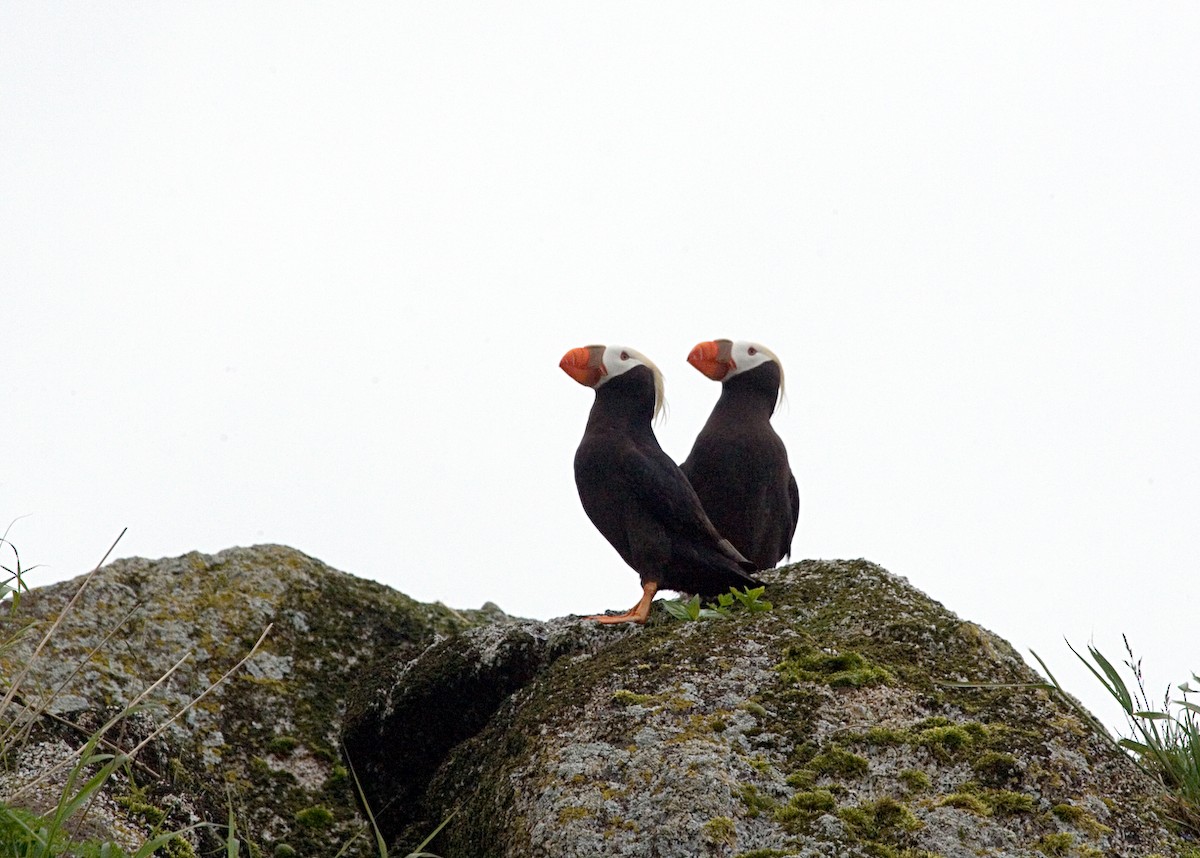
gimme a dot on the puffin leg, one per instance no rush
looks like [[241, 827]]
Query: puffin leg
[[639, 613]]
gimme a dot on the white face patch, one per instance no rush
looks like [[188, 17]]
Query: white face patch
[[747, 356], [621, 359]]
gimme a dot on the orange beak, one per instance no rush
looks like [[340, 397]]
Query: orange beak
[[712, 358], [585, 365]]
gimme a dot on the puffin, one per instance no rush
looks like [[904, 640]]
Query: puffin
[[635, 494], [738, 464]]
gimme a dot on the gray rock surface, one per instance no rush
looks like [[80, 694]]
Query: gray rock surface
[[819, 728], [265, 743]]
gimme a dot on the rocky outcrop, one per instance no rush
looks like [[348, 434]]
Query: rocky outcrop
[[822, 727], [264, 745]]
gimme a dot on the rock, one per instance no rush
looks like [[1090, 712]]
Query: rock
[[264, 744], [818, 728], [444, 697]]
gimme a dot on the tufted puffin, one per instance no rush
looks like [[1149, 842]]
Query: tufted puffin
[[635, 494], [738, 465]]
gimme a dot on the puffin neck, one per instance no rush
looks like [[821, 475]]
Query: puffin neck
[[625, 402], [755, 390]]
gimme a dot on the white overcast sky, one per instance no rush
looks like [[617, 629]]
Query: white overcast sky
[[303, 273]]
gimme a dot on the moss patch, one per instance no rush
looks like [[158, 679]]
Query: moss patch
[[947, 741], [282, 744], [568, 814], [624, 697], [1079, 818], [314, 817], [803, 807], [883, 823], [1006, 802], [964, 801], [838, 762], [838, 670], [914, 780], [802, 780], [997, 768], [1057, 844], [755, 801], [720, 830]]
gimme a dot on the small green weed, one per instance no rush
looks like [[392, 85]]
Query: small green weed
[[749, 599], [690, 611]]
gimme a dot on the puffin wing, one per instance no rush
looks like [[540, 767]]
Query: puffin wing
[[794, 497], [665, 493]]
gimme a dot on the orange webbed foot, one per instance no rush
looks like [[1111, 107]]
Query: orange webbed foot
[[639, 613]]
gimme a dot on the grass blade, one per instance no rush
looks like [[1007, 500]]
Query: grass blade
[[380, 844]]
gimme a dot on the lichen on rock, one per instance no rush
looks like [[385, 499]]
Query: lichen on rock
[[264, 744], [822, 727]]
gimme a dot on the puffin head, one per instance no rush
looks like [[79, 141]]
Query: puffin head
[[722, 360], [594, 366]]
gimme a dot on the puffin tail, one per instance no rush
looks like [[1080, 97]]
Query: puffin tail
[[749, 579], [745, 568]]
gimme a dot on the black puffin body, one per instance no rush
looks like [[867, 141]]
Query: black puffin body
[[738, 464], [635, 494]]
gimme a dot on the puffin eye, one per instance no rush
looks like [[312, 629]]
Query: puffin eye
[[752, 350], [624, 355]]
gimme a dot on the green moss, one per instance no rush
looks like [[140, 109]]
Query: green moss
[[720, 830], [136, 803], [1081, 819], [996, 768], [755, 709], [839, 763], [755, 801], [568, 814], [914, 780], [1056, 844], [283, 744], [886, 736], [815, 801], [1068, 813], [803, 807], [760, 763], [1005, 802], [882, 819], [177, 847], [630, 698], [802, 779], [765, 853], [933, 721], [943, 739], [314, 817], [838, 670], [945, 742], [282, 850], [965, 801]]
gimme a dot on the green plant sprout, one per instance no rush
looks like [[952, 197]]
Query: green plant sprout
[[748, 599]]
